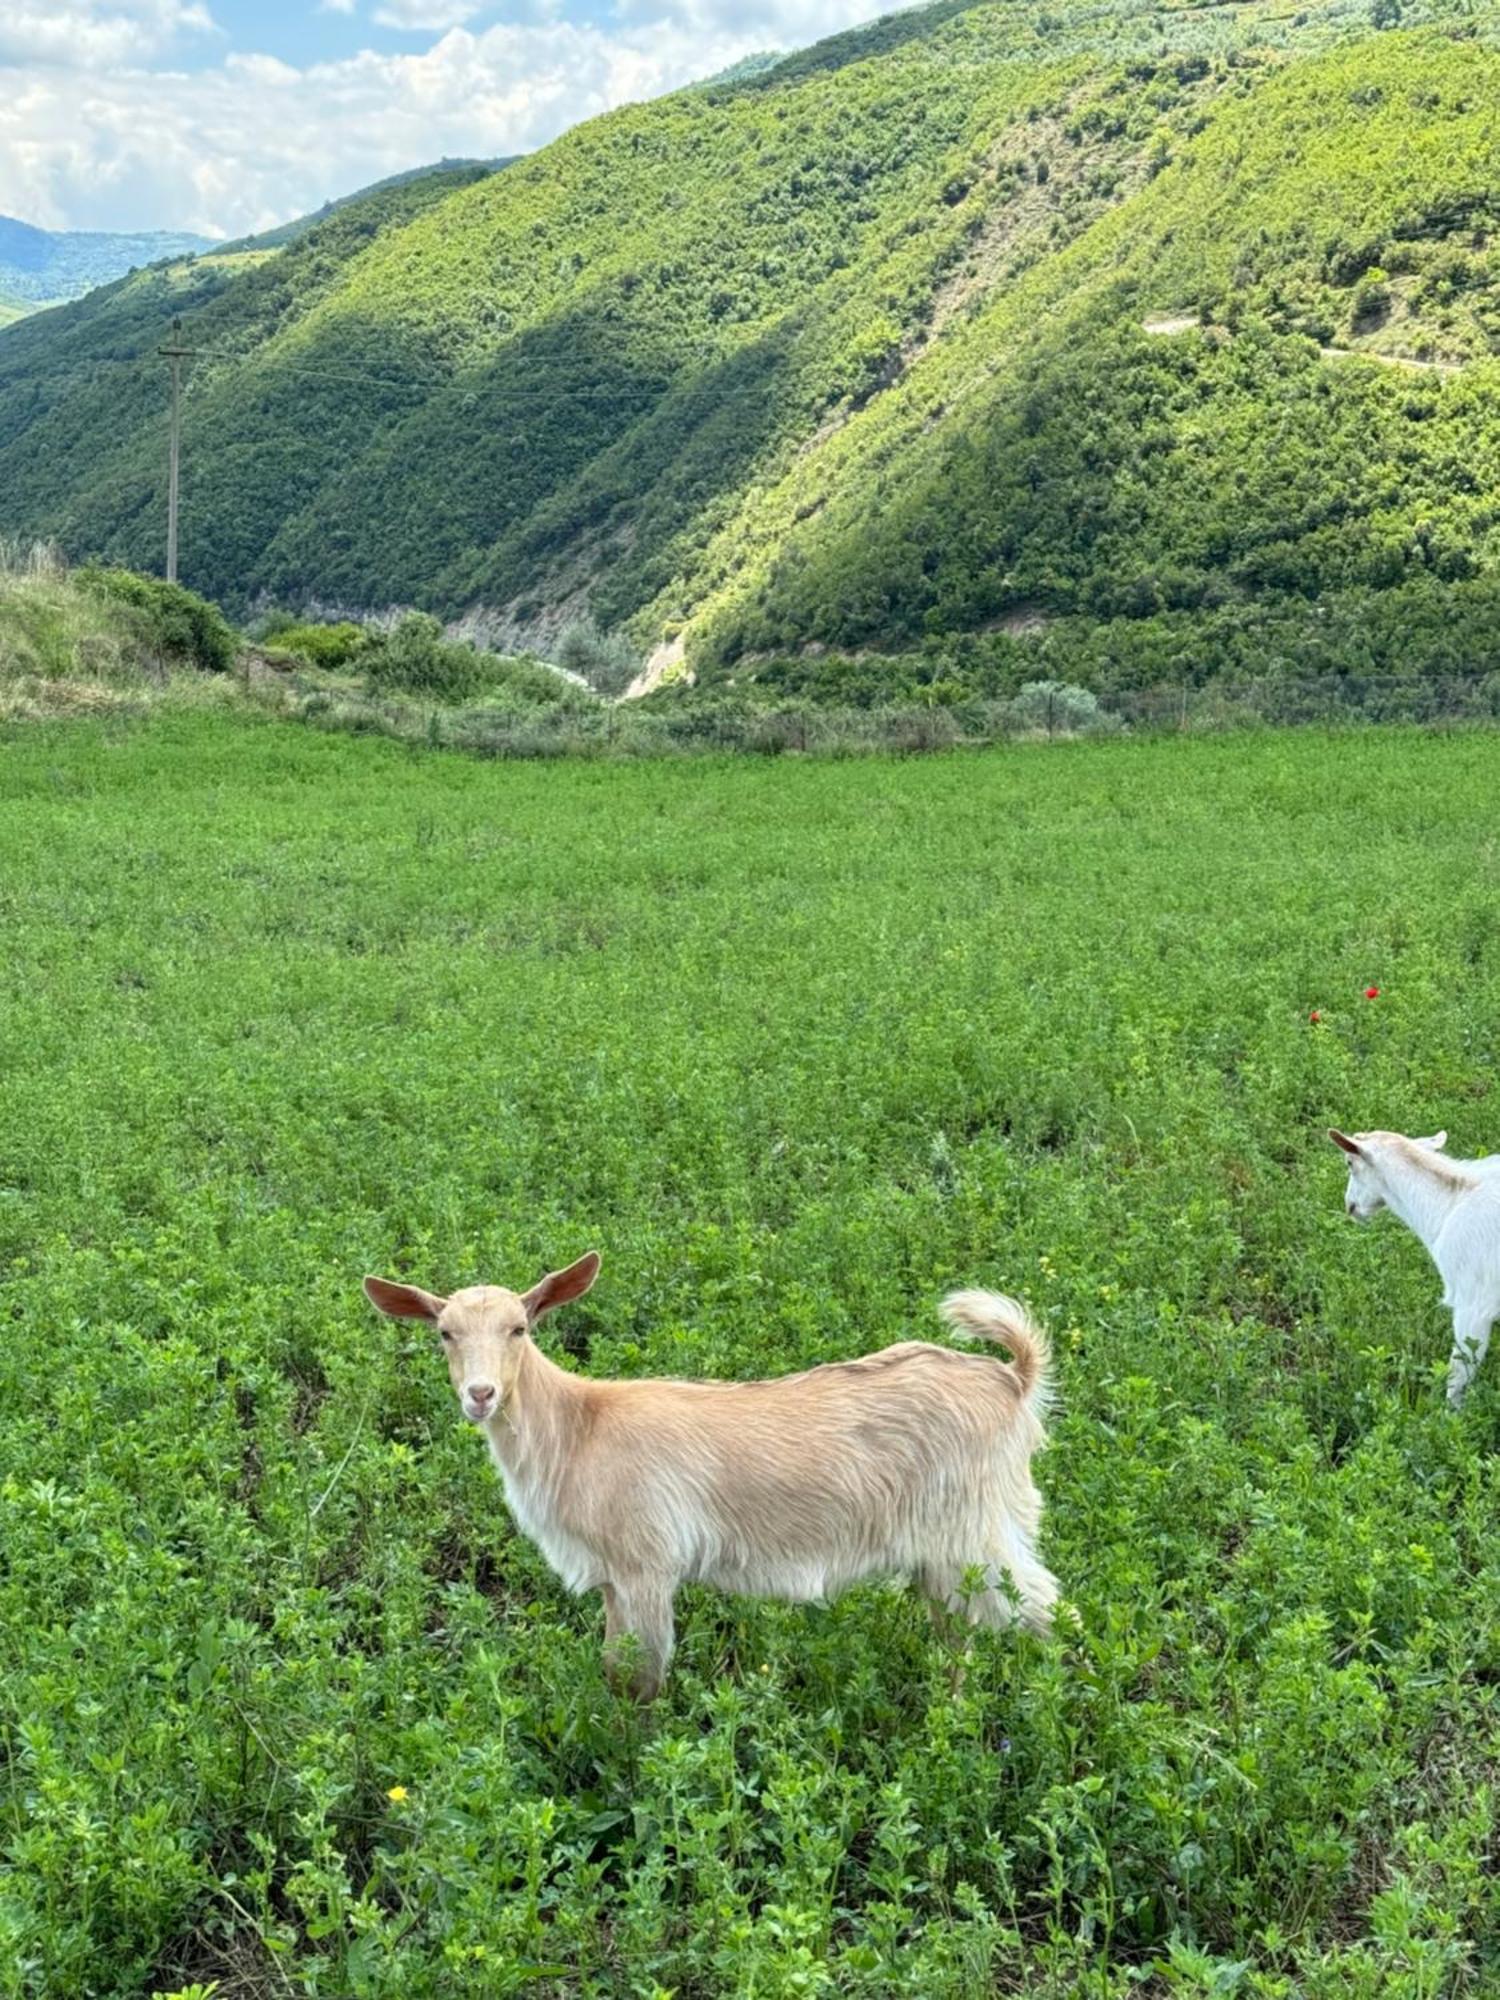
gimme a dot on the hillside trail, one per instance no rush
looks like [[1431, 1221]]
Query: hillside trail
[[1169, 322], [1173, 322], [1391, 360]]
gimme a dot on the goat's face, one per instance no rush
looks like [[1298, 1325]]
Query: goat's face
[[1362, 1195], [483, 1329]]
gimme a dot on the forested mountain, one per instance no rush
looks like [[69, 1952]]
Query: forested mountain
[[39, 267], [444, 171], [1102, 320]]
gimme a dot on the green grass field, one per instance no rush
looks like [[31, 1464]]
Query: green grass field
[[287, 1704]]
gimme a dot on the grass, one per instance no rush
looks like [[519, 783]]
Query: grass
[[289, 1704], [103, 641]]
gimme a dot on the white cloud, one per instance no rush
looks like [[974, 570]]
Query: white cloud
[[760, 24], [252, 140], [427, 13], [95, 34]]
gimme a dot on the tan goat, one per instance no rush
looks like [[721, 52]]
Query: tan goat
[[914, 1461]]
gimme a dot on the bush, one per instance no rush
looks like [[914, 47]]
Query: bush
[[331, 646], [606, 660], [415, 658], [1055, 706], [1372, 299], [186, 630]]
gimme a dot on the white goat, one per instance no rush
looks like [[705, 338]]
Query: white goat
[[1454, 1207], [915, 1460]]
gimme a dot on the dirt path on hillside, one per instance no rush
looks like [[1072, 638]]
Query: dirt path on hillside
[[1390, 360], [1181, 323], [1169, 322]]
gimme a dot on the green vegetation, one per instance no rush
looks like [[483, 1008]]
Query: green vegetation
[[447, 174], [179, 628], [99, 638], [333, 645], [1116, 472], [112, 641], [89, 373], [109, 640], [865, 349], [606, 660], [289, 1704], [415, 658], [40, 267]]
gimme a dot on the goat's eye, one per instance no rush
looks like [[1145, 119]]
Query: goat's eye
[[445, 1333]]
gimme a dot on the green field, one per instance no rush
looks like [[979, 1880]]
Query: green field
[[797, 1045]]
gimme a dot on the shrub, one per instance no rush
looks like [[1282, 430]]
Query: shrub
[[1372, 299], [186, 630], [1055, 705], [330, 646], [415, 658], [606, 660]]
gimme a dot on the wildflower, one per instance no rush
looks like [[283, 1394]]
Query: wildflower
[[1315, 1016], [396, 1794], [1372, 992]]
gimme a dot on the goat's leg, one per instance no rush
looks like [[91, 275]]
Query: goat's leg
[[1021, 1591], [1471, 1337], [638, 1622]]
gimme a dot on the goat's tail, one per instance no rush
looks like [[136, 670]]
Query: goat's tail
[[993, 1316]]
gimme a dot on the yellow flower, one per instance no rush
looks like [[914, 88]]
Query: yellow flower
[[396, 1794]]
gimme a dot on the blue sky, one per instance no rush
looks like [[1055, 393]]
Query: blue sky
[[225, 116], [312, 33]]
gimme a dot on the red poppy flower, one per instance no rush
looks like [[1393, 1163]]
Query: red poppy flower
[[1315, 1015], [1372, 992]]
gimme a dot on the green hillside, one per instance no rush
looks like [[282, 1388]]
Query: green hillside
[[1147, 322], [444, 172]]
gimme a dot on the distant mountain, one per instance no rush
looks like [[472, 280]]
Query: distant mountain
[[43, 267]]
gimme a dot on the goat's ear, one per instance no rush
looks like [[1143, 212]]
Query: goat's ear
[[1436, 1143], [558, 1288], [1343, 1140], [402, 1301]]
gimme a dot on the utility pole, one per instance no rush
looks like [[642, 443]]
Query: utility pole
[[176, 353]]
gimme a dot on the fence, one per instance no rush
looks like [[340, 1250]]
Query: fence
[[704, 725], [1332, 700]]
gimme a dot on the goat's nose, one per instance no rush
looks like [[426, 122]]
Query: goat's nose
[[481, 1395]]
